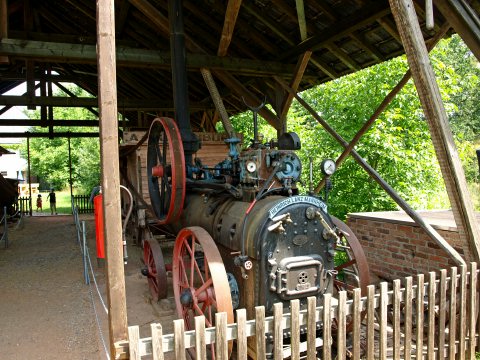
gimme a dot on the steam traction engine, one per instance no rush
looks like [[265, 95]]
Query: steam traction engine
[[245, 236]]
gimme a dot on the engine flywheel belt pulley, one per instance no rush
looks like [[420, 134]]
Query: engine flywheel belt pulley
[[166, 170]]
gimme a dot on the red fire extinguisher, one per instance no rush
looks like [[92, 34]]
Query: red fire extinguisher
[[98, 211]]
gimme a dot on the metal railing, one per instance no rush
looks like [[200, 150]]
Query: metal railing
[[89, 273]]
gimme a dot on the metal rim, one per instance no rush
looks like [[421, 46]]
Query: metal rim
[[166, 170], [356, 265], [200, 281], [157, 274]]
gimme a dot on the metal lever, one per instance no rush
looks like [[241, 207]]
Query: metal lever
[[329, 232], [278, 222]]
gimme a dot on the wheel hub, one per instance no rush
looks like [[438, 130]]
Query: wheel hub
[[186, 298]]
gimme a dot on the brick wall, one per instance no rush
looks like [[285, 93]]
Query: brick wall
[[395, 249]]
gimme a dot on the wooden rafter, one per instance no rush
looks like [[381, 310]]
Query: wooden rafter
[[362, 42], [342, 56], [261, 16], [302, 22], [295, 83], [389, 27], [3, 27], [231, 82], [341, 29], [86, 54], [58, 122], [157, 104], [233, 7], [464, 20]]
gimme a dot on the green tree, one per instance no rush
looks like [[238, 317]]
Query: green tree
[[398, 146], [50, 159]]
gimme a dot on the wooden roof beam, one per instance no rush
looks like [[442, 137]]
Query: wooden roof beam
[[57, 122], [340, 54], [76, 53], [65, 78], [161, 22], [343, 28], [233, 8], [49, 135], [464, 20], [58, 101], [361, 42], [236, 86], [302, 22], [122, 16], [324, 67], [3, 27], [389, 27], [295, 83], [69, 93], [241, 45], [263, 18]]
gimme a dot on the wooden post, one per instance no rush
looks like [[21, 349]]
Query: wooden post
[[464, 21], [107, 95], [3, 27], [442, 138]]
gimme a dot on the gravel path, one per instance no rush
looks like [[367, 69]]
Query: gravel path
[[45, 306]]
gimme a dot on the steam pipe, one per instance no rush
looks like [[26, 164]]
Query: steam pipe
[[179, 78]]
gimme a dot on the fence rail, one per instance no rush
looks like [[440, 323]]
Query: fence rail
[[24, 205], [433, 319], [83, 204]]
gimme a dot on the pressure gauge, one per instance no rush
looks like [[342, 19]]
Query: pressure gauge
[[251, 166], [328, 167]]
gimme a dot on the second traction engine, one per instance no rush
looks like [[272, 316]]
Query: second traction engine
[[246, 237]]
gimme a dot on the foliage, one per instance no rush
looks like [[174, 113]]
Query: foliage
[[49, 157], [398, 146]]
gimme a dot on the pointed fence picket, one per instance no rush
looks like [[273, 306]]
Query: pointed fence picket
[[423, 320]]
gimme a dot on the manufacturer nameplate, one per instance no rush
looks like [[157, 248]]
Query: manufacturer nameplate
[[296, 200]]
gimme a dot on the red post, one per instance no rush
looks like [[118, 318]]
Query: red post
[[98, 211]]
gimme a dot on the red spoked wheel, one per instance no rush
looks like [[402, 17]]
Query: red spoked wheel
[[353, 271], [166, 170], [200, 281], [155, 269]]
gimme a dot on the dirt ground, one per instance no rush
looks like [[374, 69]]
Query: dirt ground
[[46, 308]]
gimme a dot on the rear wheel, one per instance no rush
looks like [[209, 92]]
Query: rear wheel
[[200, 282]]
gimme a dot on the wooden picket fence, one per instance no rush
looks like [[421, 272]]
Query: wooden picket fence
[[24, 205], [423, 319], [82, 202]]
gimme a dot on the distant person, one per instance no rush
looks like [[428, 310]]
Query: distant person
[[53, 201], [39, 202]]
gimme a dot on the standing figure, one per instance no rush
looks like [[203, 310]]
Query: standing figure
[[39, 202], [53, 201]]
